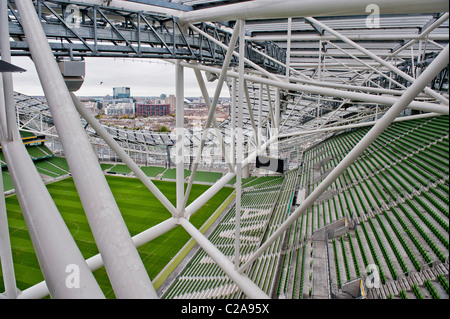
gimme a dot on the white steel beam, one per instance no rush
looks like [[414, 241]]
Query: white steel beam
[[361, 62], [288, 49], [7, 266], [130, 5], [324, 90], [233, 119], [10, 128], [54, 246], [180, 138], [242, 94], [123, 264], [266, 9], [250, 111], [6, 130], [40, 290], [354, 37], [355, 125], [346, 87]]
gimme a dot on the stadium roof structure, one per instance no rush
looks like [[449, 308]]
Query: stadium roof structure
[[297, 71]]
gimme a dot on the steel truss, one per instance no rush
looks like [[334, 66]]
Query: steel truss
[[294, 107], [79, 29]]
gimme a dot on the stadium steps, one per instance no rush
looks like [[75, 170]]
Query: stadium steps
[[257, 209], [400, 200], [406, 283]]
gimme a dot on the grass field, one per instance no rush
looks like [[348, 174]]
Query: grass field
[[140, 210]]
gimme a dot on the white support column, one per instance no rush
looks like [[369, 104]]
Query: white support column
[[3, 124], [261, 88], [233, 120], [123, 264], [419, 55], [54, 246], [212, 107], [240, 143], [237, 223], [412, 63], [277, 110], [433, 69], [271, 111], [319, 76], [203, 137], [7, 266], [179, 89], [288, 49], [6, 260], [423, 34]]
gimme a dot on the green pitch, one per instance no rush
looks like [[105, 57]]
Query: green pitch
[[140, 210]]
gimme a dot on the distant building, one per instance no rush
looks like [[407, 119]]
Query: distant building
[[172, 101], [144, 109], [127, 108], [111, 110], [121, 92], [120, 109], [92, 106]]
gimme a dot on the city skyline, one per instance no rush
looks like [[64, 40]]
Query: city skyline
[[144, 77]]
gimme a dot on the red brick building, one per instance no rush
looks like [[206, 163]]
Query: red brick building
[[143, 109]]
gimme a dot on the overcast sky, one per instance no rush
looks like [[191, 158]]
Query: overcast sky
[[145, 77]]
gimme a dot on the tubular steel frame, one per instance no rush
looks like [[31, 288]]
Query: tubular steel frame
[[117, 248]]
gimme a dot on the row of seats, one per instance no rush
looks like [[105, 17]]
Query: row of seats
[[398, 196], [392, 180], [257, 214]]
